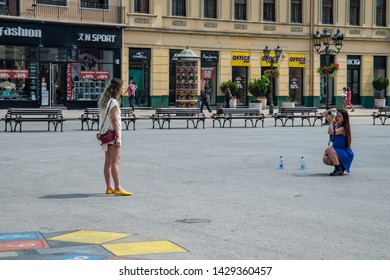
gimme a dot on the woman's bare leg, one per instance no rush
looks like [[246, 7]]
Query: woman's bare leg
[[332, 156], [107, 170]]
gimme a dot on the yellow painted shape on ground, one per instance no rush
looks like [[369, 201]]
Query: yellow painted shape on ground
[[143, 248], [90, 237]]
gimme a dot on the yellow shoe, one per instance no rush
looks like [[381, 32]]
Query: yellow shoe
[[110, 191], [122, 193]]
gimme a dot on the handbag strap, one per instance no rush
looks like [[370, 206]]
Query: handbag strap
[[108, 107]]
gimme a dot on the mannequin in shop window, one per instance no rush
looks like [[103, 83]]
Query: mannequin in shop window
[[131, 90]]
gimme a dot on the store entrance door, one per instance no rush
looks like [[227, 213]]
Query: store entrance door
[[53, 84]]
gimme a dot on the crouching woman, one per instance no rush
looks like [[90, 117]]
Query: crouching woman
[[339, 154]]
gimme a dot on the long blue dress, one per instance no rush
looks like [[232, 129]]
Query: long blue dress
[[345, 154]]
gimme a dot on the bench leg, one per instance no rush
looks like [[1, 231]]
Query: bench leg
[[134, 125]]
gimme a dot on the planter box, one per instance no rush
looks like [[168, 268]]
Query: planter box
[[256, 105], [379, 103], [288, 104]]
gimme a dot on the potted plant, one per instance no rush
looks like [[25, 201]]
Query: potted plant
[[330, 69], [380, 84], [233, 89], [258, 88]]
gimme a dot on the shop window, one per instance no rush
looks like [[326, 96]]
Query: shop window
[[3, 8], [94, 4], [53, 2], [354, 12], [381, 12], [269, 10], [327, 11], [240, 9], [179, 8], [14, 80], [210, 8], [240, 77], [296, 85], [90, 73], [141, 6], [296, 11]]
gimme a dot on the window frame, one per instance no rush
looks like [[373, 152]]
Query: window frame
[[138, 6], [61, 3], [354, 12], [296, 11], [176, 11], [90, 4], [269, 10], [383, 17], [327, 12], [206, 13], [240, 10]]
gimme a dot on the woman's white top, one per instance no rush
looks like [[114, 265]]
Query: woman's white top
[[108, 125]]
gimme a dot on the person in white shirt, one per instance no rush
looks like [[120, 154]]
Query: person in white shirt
[[109, 105]]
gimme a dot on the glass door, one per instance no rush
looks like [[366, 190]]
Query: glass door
[[53, 84]]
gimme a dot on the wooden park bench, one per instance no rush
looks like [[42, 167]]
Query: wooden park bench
[[128, 117], [16, 116], [228, 114], [90, 117], [303, 113], [163, 115], [382, 114]]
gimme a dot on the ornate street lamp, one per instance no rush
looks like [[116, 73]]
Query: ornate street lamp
[[272, 59], [322, 44]]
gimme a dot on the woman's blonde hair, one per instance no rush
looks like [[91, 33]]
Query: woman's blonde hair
[[112, 90]]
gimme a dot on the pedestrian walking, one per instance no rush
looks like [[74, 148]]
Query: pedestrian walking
[[349, 97], [131, 90], [344, 96], [228, 96], [109, 106], [204, 98]]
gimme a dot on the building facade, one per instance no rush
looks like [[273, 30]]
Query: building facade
[[58, 52], [44, 45]]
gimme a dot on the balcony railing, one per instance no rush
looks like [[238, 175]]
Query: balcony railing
[[71, 10]]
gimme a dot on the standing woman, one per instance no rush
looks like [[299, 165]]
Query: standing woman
[[349, 101], [110, 114], [340, 154]]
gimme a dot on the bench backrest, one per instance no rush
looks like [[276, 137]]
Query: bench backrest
[[178, 111], [91, 111], [298, 110], [34, 112], [384, 109], [240, 111], [127, 111]]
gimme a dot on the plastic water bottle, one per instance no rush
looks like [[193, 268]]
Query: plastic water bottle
[[302, 166], [281, 163]]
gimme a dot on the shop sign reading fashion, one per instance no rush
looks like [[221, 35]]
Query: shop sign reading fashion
[[296, 60], [20, 32], [241, 58]]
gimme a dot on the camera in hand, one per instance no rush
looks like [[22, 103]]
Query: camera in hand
[[330, 113]]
